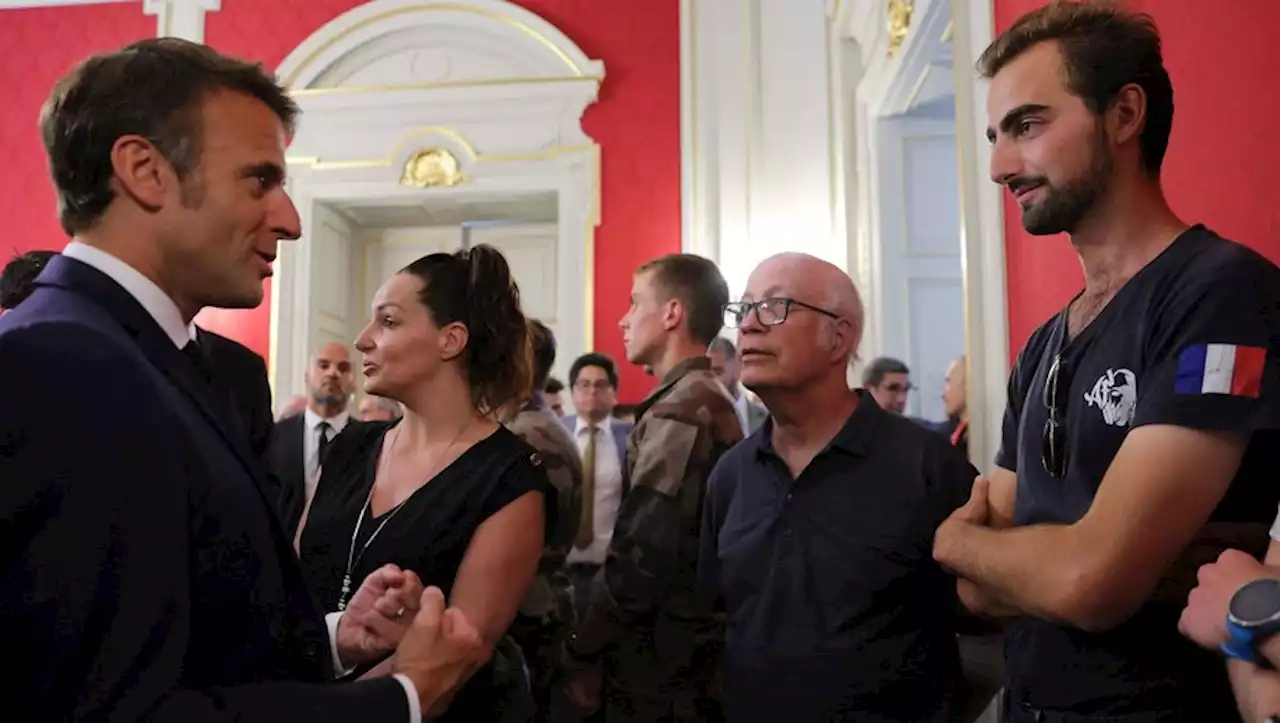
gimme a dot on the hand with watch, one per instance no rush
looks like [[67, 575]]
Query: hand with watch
[[1205, 618], [1253, 617]]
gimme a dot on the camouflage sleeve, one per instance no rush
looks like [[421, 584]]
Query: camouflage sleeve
[[655, 539]]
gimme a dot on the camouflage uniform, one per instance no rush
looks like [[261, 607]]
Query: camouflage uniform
[[657, 641], [546, 617]]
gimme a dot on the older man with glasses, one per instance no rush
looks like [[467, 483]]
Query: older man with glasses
[[817, 531]]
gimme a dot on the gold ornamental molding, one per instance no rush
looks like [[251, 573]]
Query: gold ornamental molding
[[430, 168], [899, 24]]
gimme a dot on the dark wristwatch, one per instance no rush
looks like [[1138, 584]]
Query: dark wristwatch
[[1253, 616]]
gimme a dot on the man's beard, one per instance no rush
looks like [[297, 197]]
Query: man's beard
[[326, 399], [1061, 209]]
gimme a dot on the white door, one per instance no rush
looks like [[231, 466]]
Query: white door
[[919, 304], [530, 249], [331, 288]]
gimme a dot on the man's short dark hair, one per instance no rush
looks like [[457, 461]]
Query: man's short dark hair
[[881, 367], [724, 346], [594, 359], [544, 353], [696, 281], [553, 386], [18, 279], [154, 88], [1104, 48]]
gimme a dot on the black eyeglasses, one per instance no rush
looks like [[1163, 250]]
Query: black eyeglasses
[[1057, 386], [769, 312]]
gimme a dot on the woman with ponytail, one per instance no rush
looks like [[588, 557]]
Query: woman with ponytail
[[445, 492]]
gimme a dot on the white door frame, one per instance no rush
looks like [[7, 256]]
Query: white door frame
[[497, 90], [886, 86]]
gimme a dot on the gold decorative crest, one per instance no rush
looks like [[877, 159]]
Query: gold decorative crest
[[899, 24], [431, 167]]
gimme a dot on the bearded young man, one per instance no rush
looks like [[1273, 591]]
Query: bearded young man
[[1141, 419]]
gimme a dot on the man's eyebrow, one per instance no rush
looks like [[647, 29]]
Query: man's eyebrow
[[1012, 118]]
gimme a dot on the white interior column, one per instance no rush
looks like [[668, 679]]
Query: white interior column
[[762, 159], [180, 18]]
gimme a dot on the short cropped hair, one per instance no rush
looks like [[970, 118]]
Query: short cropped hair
[[697, 283], [881, 367], [724, 346], [594, 359], [154, 88]]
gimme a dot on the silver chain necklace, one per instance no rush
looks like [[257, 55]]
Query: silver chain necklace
[[352, 558]]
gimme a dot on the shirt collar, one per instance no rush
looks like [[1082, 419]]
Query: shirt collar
[[156, 303], [336, 423], [854, 437], [675, 374], [581, 425]]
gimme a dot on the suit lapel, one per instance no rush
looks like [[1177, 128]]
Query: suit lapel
[[158, 348]]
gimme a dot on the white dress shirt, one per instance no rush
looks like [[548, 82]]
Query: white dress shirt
[[608, 491], [166, 314], [311, 443]]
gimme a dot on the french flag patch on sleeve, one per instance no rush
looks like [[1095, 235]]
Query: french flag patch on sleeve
[[1220, 369]]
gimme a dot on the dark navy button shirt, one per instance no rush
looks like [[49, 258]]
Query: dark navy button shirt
[[836, 609]]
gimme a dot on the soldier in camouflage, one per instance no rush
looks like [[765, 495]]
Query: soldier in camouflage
[[647, 637], [546, 617]]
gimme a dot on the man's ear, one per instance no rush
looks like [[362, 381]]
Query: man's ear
[[141, 172], [1127, 115], [672, 314], [846, 337]]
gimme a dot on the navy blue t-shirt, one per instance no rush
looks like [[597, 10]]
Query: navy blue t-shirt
[[1192, 340]]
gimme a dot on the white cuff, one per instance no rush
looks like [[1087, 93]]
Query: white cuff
[[415, 706], [331, 620], [1275, 529]]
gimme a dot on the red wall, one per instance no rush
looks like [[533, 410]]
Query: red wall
[[1223, 165], [636, 121], [39, 46]]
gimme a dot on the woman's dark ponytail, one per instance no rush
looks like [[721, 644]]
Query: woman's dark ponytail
[[499, 359]]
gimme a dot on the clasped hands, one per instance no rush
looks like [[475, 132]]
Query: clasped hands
[[1204, 618], [436, 647]]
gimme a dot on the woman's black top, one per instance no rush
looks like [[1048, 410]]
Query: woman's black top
[[428, 535]]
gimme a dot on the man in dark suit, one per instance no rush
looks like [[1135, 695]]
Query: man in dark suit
[[299, 442], [143, 575], [236, 367], [244, 375]]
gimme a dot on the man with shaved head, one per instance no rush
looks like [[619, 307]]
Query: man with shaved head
[[817, 531], [301, 441]]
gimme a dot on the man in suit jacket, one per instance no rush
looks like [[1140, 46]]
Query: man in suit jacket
[[244, 374], [602, 441], [728, 369], [299, 442], [236, 367], [143, 575]]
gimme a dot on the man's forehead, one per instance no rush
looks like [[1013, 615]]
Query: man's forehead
[[332, 354], [235, 120], [1035, 77]]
